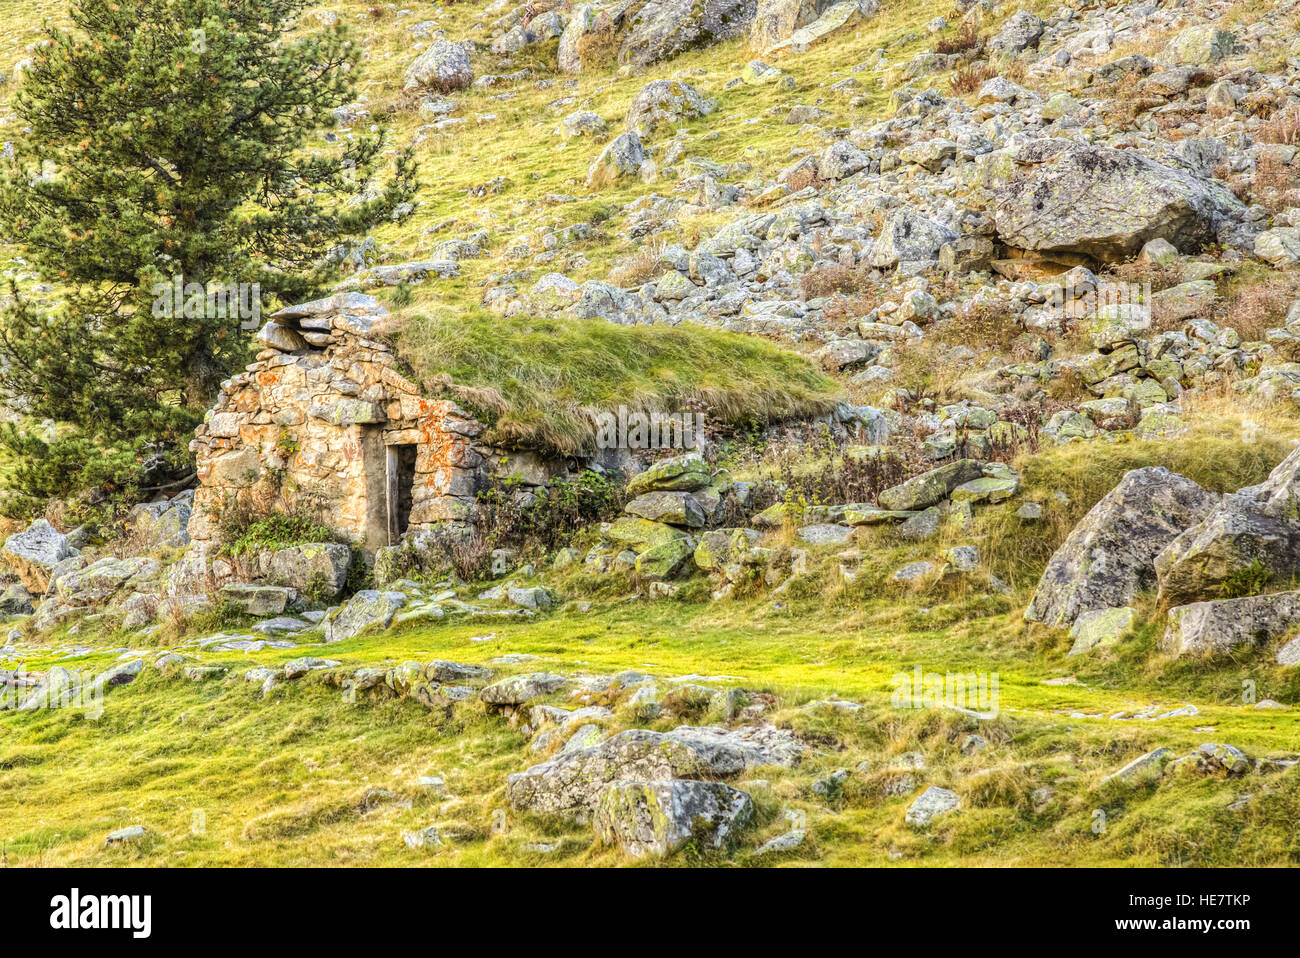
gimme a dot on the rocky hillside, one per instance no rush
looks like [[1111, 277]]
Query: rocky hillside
[[991, 314]]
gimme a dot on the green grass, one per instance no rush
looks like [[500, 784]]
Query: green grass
[[282, 780], [540, 381]]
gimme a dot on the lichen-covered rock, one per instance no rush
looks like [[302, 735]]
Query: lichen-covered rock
[[929, 488], [666, 560], [685, 473], [933, 803], [521, 689], [658, 818], [674, 508], [1227, 624], [1021, 31], [367, 609], [1254, 532], [587, 20], [666, 103], [1201, 45], [1234, 536], [836, 17], [1109, 557], [34, 552], [665, 28], [622, 156], [315, 569], [1143, 769], [443, 67], [573, 782], [910, 241], [1106, 203], [642, 534], [775, 21], [256, 599]]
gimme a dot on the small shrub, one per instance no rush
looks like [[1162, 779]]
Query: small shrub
[[967, 39], [1282, 127], [968, 79]]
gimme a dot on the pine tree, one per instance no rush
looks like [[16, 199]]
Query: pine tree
[[165, 139]]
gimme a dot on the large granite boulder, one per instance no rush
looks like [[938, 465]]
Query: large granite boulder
[[33, 553], [317, 569], [1104, 203], [665, 28], [1109, 557], [621, 157], [776, 20], [910, 241], [674, 508], [1020, 32], [443, 67], [1254, 533]]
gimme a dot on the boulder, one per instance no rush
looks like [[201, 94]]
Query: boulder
[[666, 560], [1106, 203], [574, 782], [910, 241], [1257, 530], [521, 689], [622, 156], [1235, 536], [666, 103], [674, 508], [929, 488], [658, 818], [665, 28], [367, 609], [1109, 557], [776, 20], [1201, 45], [681, 473], [1143, 769], [837, 17], [33, 553], [587, 20], [443, 67], [1227, 624], [317, 569], [257, 599], [1020, 32]]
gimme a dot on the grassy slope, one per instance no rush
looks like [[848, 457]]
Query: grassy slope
[[281, 780]]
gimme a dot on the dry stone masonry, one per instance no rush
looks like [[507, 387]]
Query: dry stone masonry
[[324, 417]]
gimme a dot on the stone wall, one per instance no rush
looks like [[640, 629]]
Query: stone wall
[[309, 423]]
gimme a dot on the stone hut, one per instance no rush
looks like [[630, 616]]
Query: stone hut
[[323, 418]]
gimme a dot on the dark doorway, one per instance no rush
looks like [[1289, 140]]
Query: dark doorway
[[401, 487]]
